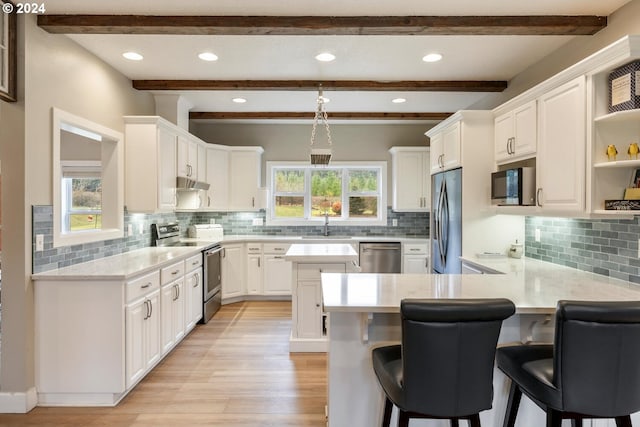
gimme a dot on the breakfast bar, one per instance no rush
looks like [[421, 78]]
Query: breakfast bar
[[364, 313]]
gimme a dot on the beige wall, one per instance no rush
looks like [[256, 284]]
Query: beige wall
[[55, 72], [623, 22]]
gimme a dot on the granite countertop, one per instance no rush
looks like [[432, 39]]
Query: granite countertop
[[534, 287]]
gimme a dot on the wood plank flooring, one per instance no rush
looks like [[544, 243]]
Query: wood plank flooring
[[234, 371]]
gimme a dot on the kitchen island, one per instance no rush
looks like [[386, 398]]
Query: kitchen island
[[364, 313]]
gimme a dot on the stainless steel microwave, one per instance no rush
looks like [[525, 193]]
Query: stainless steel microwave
[[514, 187]]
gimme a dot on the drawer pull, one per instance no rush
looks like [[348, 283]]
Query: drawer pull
[[175, 272], [145, 286], [195, 263]]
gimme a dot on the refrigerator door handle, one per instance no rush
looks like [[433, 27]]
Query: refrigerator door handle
[[444, 223], [440, 217]]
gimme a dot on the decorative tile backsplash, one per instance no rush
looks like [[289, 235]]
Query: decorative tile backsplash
[[608, 246], [410, 224]]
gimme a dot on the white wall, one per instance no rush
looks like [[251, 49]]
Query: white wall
[[622, 22], [291, 142], [53, 71]]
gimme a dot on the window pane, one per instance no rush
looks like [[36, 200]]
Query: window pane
[[289, 207], [87, 194], [326, 192], [289, 181], [78, 222], [363, 180], [363, 207]]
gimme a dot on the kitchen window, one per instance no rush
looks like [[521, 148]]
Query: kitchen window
[[81, 196], [347, 193]]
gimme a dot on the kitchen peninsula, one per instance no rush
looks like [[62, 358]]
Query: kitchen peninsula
[[363, 313]]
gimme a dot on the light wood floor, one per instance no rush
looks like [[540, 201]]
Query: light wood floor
[[234, 371]]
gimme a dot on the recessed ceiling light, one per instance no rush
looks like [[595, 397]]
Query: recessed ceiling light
[[398, 100], [325, 57], [208, 56], [239, 100], [432, 57], [133, 56]]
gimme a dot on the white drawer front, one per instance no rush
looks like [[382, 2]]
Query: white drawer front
[[171, 273], [416, 249], [142, 286], [276, 248], [193, 263], [313, 271]]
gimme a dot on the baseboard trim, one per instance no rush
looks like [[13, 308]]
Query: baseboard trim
[[308, 345], [18, 403]]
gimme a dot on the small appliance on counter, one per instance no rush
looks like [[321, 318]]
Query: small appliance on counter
[[516, 250], [213, 232]]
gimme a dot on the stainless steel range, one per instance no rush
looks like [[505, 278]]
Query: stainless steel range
[[168, 234]]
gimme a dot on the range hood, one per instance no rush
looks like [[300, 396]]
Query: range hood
[[184, 183]]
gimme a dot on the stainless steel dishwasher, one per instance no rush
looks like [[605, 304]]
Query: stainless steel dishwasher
[[380, 257]]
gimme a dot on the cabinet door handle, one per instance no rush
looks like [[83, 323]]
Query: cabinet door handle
[[258, 262], [146, 305], [317, 305], [208, 200], [320, 270], [189, 170], [150, 308], [513, 145], [539, 197], [426, 262], [196, 280], [224, 253], [178, 291], [253, 202]]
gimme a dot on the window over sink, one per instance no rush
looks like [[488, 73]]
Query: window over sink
[[351, 193]]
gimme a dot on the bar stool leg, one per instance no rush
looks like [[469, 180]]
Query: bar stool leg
[[386, 418], [454, 422], [554, 418], [624, 421], [474, 421], [576, 422], [515, 394], [403, 418]]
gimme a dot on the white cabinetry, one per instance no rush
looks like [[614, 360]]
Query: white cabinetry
[[150, 164], [254, 268], [415, 258], [202, 162], [561, 149], [218, 178], [516, 134], [142, 322], [187, 157], [308, 319], [277, 270], [233, 271], [245, 166], [172, 295], [193, 291], [445, 148], [411, 179]]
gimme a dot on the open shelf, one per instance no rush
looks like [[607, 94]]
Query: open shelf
[[618, 164], [619, 116]]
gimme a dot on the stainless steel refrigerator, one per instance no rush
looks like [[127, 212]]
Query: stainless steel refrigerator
[[446, 222]]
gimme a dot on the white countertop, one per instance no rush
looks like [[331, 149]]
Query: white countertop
[[534, 287], [123, 266], [328, 252]]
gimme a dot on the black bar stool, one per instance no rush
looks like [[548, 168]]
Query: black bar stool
[[591, 371], [444, 366]]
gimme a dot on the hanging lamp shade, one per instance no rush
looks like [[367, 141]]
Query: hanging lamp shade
[[320, 156]]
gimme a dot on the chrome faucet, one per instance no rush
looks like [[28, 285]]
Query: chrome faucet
[[326, 223]]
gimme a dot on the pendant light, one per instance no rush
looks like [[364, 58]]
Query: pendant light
[[320, 156]]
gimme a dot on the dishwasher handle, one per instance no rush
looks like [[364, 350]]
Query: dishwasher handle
[[381, 247]]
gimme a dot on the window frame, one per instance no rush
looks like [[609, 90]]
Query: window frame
[[343, 219], [82, 170]]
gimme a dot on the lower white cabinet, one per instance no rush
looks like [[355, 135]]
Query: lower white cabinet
[[254, 268], [193, 298], [277, 275], [143, 348], [233, 271], [307, 332], [415, 258], [173, 318]]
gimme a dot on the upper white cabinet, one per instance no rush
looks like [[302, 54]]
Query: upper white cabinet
[[187, 162], [561, 148], [445, 148], [411, 179], [516, 134], [217, 175], [150, 164], [245, 172]]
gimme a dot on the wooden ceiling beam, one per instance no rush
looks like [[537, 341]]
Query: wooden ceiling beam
[[324, 25], [309, 115], [328, 85]]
